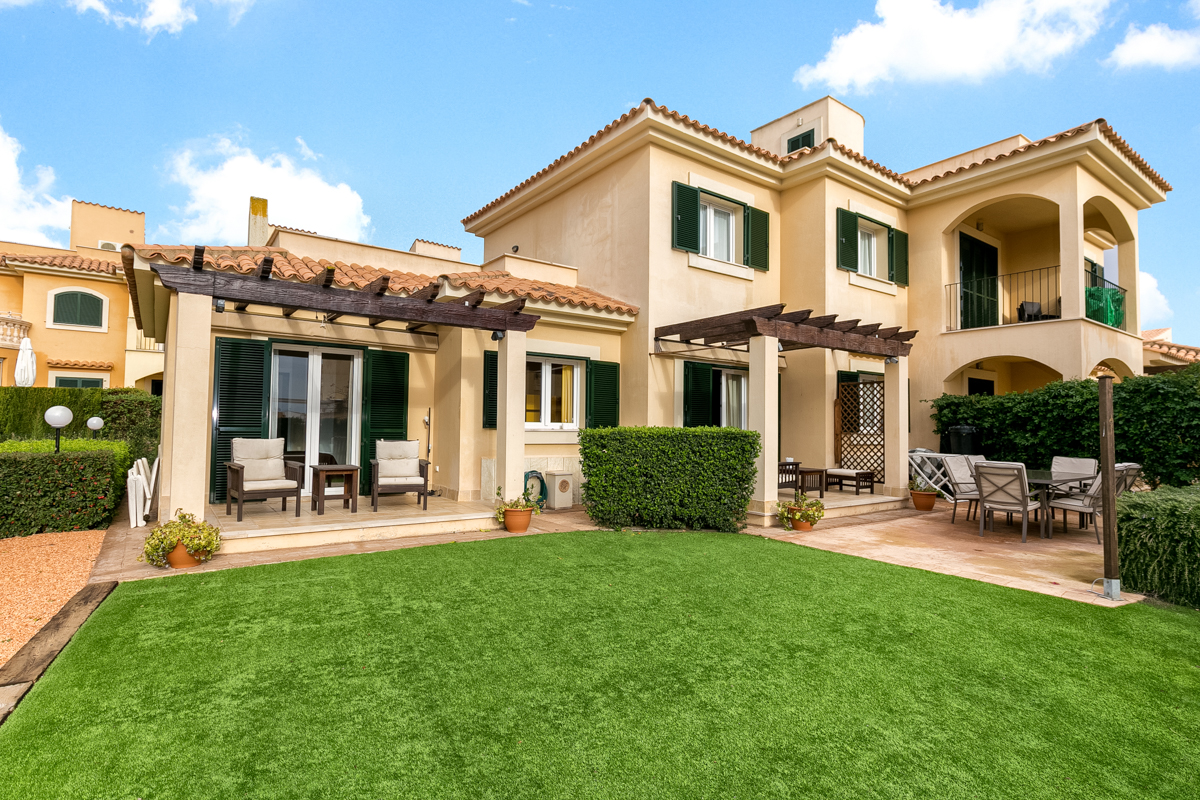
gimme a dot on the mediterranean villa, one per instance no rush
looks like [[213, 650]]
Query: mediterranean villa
[[661, 273]]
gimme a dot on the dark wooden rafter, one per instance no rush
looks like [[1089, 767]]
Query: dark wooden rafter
[[266, 267], [379, 286], [292, 296], [512, 306], [241, 306], [795, 330], [426, 293], [472, 300], [330, 317], [327, 278]]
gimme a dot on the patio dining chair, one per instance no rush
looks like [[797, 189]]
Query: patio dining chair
[[1127, 476], [258, 471], [1003, 486], [972, 461], [1083, 466], [1086, 504], [962, 482]]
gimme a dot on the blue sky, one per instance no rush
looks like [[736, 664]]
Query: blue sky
[[390, 121]]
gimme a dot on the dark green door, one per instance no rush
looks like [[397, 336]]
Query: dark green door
[[979, 295]]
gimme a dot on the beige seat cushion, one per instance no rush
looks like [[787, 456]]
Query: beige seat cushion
[[398, 459], [261, 458], [269, 486], [845, 473], [405, 480]]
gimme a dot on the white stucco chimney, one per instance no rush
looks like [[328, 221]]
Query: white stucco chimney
[[258, 230]]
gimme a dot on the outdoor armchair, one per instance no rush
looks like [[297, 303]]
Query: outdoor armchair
[[972, 461], [1003, 486], [1127, 475], [962, 482], [1086, 504], [259, 472], [396, 469], [1084, 466]]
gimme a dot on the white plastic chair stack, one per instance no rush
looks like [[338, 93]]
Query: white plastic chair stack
[[139, 488]]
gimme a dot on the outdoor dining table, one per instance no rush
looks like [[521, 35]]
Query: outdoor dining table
[[1043, 481]]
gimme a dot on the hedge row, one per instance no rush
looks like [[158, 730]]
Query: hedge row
[[1159, 543], [129, 415], [1157, 421], [133, 416], [77, 489], [668, 477]]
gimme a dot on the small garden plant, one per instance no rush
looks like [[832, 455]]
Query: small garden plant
[[918, 483], [523, 503], [200, 539], [803, 509]]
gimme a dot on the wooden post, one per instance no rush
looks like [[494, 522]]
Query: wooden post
[[1108, 491]]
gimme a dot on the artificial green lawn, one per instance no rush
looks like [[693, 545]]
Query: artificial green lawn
[[603, 664]]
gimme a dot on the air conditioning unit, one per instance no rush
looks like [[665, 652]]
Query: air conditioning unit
[[105, 245], [560, 486]]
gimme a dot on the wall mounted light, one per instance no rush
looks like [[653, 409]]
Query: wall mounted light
[[515, 248], [58, 417]]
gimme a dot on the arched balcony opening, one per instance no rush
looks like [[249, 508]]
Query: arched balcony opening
[[999, 375]]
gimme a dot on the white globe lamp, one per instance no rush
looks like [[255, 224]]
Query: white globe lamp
[[58, 417], [95, 423]]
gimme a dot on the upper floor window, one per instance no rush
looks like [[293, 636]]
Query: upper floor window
[[801, 140], [64, 382], [871, 248], [717, 230], [718, 227], [77, 308], [866, 251], [552, 394]]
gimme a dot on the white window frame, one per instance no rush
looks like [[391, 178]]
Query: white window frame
[[708, 206], [53, 375], [745, 392], [879, 235], [53, 293], [547, 364]]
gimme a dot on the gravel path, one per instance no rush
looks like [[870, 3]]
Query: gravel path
[[38, 575]]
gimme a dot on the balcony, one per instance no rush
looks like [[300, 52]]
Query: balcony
[[12, 330], [1030, 296]]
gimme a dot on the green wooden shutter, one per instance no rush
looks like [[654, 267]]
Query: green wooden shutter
[[685, 217], [91, 310], [845, 376], [241, 389], [384, 406], [757, 238], [697, 394], [78, 308], [801, 140], [898, 256], [491, 361], [847, 245], [603, 394]]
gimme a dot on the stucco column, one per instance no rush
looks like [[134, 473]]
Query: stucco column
[[1070, 255], [763, 416], [510, 414], [1127, 277], [187, 410], [895, 427]]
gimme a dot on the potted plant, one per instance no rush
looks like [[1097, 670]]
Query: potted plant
[[182, 542], [515, 515], [923, 493], [801, 514]]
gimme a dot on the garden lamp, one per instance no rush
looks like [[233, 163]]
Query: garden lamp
[[58, 417], [95, 423]]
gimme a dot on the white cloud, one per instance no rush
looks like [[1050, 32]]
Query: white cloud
[[1151, 301], [1157, 45], [28, 211], [221, 177], [926, 40], [155, 16], [306, 152], [523, 2]]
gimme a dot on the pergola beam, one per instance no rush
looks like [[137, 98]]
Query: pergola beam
[[698, 329], [294, 296]]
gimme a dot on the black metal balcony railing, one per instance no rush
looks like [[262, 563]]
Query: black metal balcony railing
[[1004, 300], [1029, 296]]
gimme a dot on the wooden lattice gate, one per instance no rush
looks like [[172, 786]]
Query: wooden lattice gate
[[858, 439]]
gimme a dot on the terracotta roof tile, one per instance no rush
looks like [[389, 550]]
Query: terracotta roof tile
[[63, 362], [114, 208], [506, 283], [1181, 351], [71, 262], [1155, 334], [439, 244], [294, 230]]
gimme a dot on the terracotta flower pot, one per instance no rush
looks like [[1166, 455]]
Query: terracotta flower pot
[[801, 525], [516, 520], [180, 558], [923, 501]]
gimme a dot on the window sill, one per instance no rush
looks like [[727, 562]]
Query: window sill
[[58, 326], [697, 261], [543, 436], [874, 284]]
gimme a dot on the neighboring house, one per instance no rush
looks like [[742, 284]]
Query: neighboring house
[[1163, 355], [73, 305], [772, 285]]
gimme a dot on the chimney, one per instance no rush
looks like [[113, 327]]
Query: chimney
[[258, 231]]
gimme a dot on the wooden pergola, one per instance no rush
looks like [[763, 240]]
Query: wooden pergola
[[795, 330], [322, 296]]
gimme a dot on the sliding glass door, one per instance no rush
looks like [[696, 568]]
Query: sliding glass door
[[316, 397]]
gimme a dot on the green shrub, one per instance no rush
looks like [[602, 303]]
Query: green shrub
[[668, 477], [133, 416], [22, 409], [1157, 419], [77, 489], [1158, 538]]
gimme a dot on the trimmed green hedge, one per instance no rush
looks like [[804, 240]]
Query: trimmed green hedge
[[1157, 420], [668, 477], [77, 489], [1158, 538], [22, 409], [132, 416]]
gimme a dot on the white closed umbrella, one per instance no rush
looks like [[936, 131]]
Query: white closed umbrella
[[26, 364]]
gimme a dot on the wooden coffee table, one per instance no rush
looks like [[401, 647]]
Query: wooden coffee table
[[321, 475]]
